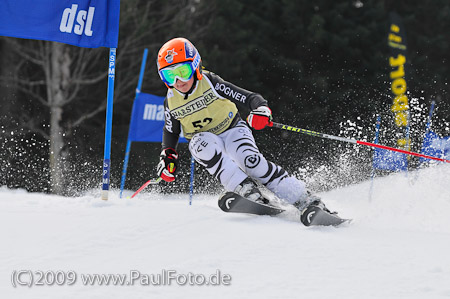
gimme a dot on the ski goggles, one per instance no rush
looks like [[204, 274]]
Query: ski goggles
[[182, 71]]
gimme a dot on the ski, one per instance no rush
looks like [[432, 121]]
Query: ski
[[311, 216], [232, 202], [315, 216]]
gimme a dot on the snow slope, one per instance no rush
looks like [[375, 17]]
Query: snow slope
[[397, 247]]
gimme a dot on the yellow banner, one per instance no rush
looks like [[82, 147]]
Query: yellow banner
[[397, 61]]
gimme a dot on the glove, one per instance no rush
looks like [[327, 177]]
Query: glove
[[260, 117], [167, 165]]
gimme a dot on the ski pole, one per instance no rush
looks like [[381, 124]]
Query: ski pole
[[354, 141], [149, 182], [191, 184]]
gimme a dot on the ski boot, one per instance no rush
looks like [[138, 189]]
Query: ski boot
[[249, 189], [314, 212]]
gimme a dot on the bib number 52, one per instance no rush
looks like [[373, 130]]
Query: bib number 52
[[201, 123]]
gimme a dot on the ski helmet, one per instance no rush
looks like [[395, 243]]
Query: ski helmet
[[178, 51]]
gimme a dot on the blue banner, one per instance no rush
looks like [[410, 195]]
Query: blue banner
[[83, 23], [389, 160], [435, 146], [147, 119]]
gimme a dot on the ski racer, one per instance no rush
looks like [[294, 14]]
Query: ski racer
[[204, 107]]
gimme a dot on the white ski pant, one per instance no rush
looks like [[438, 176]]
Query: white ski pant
[[233, 155]]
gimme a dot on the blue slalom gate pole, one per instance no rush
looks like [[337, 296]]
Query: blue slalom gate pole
[[191, 185], [141, 73], [377, 133], [108, 126], [428, 125], [125, 166], [407, 137], [429, 117], [128, 149]]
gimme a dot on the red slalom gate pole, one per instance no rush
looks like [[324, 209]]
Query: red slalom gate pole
[[349, 140], [401, 151], [150, 182]]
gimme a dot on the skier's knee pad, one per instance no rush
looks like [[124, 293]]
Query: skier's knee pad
[[254, 164], [204, 146], [208, 150]]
